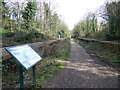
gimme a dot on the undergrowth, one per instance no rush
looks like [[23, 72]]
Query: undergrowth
[[45, 69], [101, 52], [21, 36]]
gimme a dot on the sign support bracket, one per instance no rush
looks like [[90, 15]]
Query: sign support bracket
[[21, 77], [34, 81]]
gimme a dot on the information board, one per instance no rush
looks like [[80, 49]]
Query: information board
[[25, 55]]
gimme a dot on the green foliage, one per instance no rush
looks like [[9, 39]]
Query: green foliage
[[86, 27], [116, 61], [8, 34], [22, 36], [28, 14], [4, 9], [110, 13], [9, 65], [76, 33], [102, 52]]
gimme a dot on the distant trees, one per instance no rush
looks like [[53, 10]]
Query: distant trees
[[63, 30], [89, 26], [86, 26]]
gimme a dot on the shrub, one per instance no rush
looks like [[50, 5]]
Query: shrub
[[8, 34]]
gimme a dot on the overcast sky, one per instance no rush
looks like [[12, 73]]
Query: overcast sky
[[72, 11]]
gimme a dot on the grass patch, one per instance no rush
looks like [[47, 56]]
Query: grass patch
[[64, 51], [50, 68], [100, 52]]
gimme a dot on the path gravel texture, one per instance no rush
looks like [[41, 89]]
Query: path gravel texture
[[84, 72]]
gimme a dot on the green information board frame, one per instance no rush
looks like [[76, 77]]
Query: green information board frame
[[26, 58]]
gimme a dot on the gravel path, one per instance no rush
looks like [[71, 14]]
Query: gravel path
[[84, 72]]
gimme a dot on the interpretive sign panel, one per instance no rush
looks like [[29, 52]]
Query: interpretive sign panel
[[25, 55]]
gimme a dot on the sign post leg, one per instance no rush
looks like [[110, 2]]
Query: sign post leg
[[34, 81], [21, 77]]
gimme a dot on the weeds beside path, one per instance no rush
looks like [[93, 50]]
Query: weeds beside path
[[84, 72]]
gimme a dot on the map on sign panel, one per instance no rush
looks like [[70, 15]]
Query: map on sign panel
[[25, 55]]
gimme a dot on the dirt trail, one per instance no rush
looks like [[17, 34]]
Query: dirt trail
[[84, 72]]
